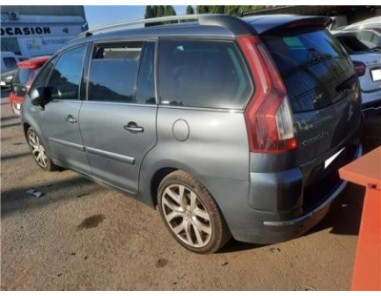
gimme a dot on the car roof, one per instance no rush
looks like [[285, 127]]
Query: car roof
[[33, 62], [207, 25]]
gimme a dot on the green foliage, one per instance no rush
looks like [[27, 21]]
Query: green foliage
[[189, 10], [227, 9], [202, 9], [158, 11]]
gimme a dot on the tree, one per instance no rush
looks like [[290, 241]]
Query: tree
[[169, 10], [228, 9], [149, 12], [158, 11], [216, 9], [202, 9], [189, 10]]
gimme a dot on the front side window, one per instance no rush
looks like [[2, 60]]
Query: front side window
[[65, 78], [210, 74], [43, 76], [113, 72]]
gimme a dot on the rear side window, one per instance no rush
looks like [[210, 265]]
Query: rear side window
[[313, 66], [209, 74]]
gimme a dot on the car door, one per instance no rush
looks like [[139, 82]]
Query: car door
[[59, 117], [118, 120]]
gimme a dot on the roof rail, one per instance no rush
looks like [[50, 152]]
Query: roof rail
[[233, 23]]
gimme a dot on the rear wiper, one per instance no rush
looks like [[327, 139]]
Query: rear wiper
[[346, 84]]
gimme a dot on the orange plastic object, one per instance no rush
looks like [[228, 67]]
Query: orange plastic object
[[366, 171]]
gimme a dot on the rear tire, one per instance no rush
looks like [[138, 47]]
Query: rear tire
[[191, 214], [39, 152]]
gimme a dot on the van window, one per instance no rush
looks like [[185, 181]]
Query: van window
[[113, 72], [312, 64], [65, 78], [10, 63], [209, 74]]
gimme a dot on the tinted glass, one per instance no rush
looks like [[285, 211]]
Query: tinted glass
[[113, 73], [42, 78], [10, 44], [145, 92], [66, 75], [10, 63], [371, 38], [208, 74], [313, 66], [352, 44]]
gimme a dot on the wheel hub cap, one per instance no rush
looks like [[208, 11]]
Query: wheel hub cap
[[186, 216]]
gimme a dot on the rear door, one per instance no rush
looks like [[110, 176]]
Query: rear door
[[118, 121]]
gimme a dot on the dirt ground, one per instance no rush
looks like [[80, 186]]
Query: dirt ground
[[81, 236]]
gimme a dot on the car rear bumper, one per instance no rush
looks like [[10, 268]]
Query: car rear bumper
[[371, 100], [268, 227]]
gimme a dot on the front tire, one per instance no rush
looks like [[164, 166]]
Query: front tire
[[39, 152], [191, 214]]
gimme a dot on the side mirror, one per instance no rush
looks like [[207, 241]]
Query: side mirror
[[19, 90], [39, 96]]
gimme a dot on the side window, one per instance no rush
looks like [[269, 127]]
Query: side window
[[209, 74], [43, 76], [113, 72], [10, 63], [65, 78]]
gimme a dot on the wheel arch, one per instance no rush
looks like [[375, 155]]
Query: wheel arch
[[156, 179]]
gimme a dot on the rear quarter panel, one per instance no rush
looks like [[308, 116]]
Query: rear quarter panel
[[210, 145]]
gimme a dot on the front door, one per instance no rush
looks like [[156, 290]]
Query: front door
[[60, 116]]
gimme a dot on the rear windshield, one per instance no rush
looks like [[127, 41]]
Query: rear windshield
[[313, 66]]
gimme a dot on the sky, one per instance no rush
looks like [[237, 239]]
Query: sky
[[97, 15]]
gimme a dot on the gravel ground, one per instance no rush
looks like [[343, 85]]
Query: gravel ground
[[81, 236]]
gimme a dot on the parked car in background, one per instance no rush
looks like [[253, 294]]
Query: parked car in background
[[363, 46], [6, 79], [9, 62], [229, 126], [23, 77], [373, 22]]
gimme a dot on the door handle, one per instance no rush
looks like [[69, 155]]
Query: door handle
[[71, 119], [133, 127]]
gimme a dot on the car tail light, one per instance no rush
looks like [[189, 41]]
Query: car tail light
[[268, 115], [360, 68]]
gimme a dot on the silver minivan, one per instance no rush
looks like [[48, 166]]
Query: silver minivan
[[231, 127]]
